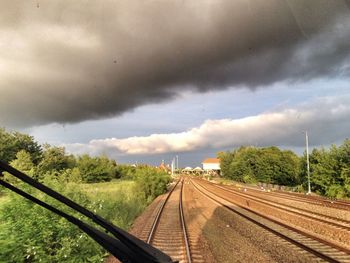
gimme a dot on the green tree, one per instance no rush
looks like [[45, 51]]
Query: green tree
[[151, 181], [96, 169], [13, 142], [268, 165], [27, 143], [329, 169], [125, 171], [54, 160], [23, 163], [323, 170], [345, 175], [226, 159]]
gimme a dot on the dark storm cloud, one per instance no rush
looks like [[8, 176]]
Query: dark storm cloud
[[68, 61]]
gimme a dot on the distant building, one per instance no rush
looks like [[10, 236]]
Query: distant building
[[187, 170], [211, 165], [164, 167], [197, 170]]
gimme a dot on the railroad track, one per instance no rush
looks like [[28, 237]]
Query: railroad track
[[168, 231], [315, 200], [278, 201], [338, 231], [339, 204], [319, 248], [330, 220]]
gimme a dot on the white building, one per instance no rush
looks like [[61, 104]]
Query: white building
[[211, 165], [198, 170], [187, 170]]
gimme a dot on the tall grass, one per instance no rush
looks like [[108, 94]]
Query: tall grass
[[29, 233], [119, 201]]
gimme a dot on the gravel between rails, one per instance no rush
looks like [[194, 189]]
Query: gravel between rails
[[319, 247], [292, 200], [200, 249], [313, 226], [232, 238]]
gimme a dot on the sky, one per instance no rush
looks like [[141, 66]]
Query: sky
[[146, 81]]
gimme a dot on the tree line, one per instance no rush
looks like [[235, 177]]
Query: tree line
[[25, 154], [329, 168], [45, 162], [30, 233]]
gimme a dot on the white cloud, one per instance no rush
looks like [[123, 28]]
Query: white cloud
[[326, 119]]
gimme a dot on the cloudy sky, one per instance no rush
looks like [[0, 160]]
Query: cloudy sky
[[145, 81]]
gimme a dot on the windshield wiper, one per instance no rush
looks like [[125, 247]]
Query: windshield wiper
[[123, 245]]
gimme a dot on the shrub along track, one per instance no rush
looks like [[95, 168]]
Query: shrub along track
[[318, 246]]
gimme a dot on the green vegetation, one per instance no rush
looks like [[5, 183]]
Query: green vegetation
[[268, 165], [97, 169], [330, 168], [152, 182], [12, 142], [29, 233]]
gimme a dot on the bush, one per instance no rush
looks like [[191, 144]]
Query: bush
[[268, 165], [249, 179], [30, 233], [125, 171], [336, 191], [299, 189], [96, 169], [151, 181]]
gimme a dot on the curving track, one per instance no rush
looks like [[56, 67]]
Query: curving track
[[319, 247]]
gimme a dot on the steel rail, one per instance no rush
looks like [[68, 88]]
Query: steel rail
[[285, 237], [305, 213], [156, 219], [184, 228], [182, 220], [314, 200]]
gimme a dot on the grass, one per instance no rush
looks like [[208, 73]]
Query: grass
[[108, 188], [118, 201], [3, 200]]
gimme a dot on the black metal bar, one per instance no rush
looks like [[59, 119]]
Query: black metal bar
[[114, 246], [144, 251]]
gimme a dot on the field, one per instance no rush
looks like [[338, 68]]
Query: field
[[119, 201], [110, 188]]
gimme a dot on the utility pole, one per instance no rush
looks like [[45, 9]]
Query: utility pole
[[172, 166], [177, 162], [307, 163]]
